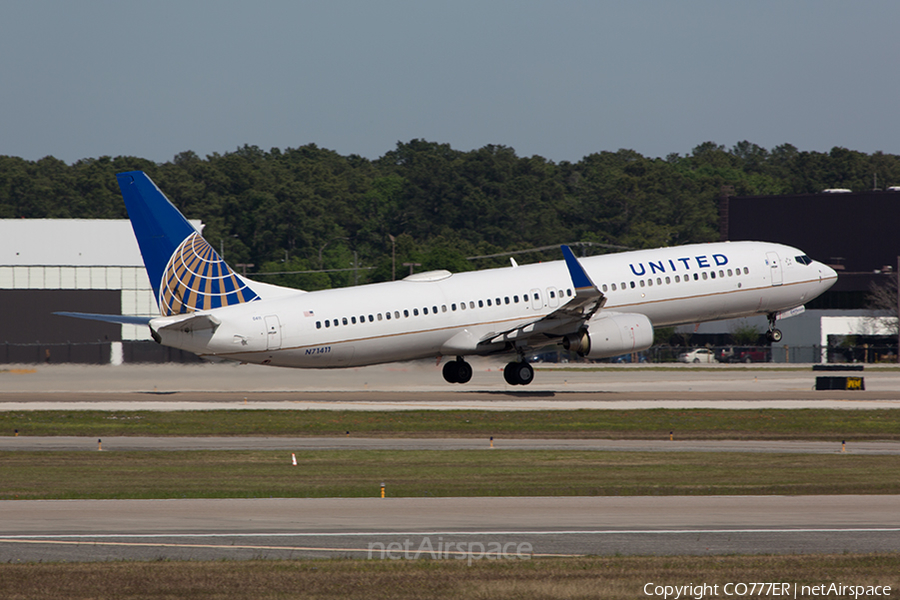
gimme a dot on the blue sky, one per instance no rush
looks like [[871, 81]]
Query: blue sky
[[559, 79]]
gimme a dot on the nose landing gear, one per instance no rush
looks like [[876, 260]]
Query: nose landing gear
[[773, 334]]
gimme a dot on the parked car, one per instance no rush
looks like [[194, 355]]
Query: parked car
[[698, 355], [744, 355]]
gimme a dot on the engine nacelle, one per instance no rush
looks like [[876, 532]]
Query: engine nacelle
[[612, 334]]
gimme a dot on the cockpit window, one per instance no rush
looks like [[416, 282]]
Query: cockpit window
[[803, 260]]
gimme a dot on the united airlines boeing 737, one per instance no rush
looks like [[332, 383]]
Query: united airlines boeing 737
[[598, 307]]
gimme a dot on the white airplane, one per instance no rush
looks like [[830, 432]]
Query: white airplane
[[598, 307]]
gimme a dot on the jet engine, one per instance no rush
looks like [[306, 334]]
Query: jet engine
[[611, 334]]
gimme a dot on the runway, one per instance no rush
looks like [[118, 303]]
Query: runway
[[453, 528], [87, 530], [419, 386]]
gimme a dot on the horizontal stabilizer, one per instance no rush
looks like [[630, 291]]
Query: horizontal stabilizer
[[121, 319], [186, 323]]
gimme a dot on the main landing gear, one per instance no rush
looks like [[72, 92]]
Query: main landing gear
[[457, 371], [518, 373], [773, 334], [515, 373]]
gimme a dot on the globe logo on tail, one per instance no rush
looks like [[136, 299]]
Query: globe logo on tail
[[197, 279]]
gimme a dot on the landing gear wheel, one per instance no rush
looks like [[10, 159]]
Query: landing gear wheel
[[450, 372], [457, 371], [463, 371], [518, 373], [774, 336]]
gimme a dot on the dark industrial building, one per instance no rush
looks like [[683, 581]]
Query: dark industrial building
[[855, 233]]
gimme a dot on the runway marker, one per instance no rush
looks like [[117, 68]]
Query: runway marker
[[293, 459]]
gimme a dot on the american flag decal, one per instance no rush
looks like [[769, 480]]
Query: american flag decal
[[308, 313]]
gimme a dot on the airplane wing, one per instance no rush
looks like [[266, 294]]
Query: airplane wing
[[568, 318], [121, 319]]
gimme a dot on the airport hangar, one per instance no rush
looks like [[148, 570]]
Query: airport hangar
[[79, 265], [85, 265]]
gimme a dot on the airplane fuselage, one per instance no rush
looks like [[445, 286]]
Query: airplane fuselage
[[436, 313]]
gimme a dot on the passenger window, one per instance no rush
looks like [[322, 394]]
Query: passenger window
[[344, 320], [498, 301], [711, 274], [471, 304], [506, 299], [425, 311], [642, 282], [613, 287], [746, 271], [387, 315], [668, 280], [453, 306], [318, 324], [632, 285], [678, 279], [568, 292], [481, 303], [537, 297], [721, 273], [489, 301], [416, 312], [379, 316], [730, 274], [327, 323], [516, 299], [335, 322], [659, 280], [353, 320], [604, 289], [405, 313], [696, 277], [704, 275], [371, 318], [553, 293], [396, 314]]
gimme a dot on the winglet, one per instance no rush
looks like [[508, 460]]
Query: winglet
[[580, 278]]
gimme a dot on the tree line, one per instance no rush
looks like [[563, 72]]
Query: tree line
[[309, 217]]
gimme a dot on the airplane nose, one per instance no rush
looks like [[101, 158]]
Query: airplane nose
[[826, 273]]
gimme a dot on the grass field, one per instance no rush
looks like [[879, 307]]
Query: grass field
[[808, 424], [582, 578], [358, 473]]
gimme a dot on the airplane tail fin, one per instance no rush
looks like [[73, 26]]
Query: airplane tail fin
[[185, 272]]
